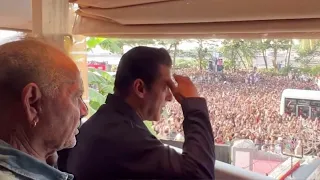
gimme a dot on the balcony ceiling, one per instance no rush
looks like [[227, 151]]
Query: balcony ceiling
[[181, 18]]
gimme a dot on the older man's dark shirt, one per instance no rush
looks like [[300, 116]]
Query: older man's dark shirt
[[115, 144]]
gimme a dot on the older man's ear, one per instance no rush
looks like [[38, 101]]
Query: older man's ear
[[31, 96]]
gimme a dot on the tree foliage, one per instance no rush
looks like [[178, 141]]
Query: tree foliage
[[307, 51], [276, 45], [171, 45], [237, 53], [202, 51], [92, 42], [114, 45]]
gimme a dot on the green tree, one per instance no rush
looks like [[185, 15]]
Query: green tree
[[275, 45], [228, 64], [239, 50], [100, 84], [185, 63], [278, 45], [288, 54], [114, 45], [92, 42], [230, 55], [262, 46], [202, 53], [171, 46], [307, 50]]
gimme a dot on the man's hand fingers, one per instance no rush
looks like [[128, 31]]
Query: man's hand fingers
[[172, 86], [176, 77], [174, 91], [185, 88], [180, 78]]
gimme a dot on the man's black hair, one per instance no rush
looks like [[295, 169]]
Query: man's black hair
[[140, 63]]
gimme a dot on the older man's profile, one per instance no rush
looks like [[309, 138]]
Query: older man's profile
[[41, 107]]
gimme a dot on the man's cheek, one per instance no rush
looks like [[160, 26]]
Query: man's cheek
[[157, 115]]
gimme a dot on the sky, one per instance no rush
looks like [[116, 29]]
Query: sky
[[6, 36]]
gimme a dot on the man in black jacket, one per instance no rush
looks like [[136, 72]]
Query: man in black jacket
[[115, 144]]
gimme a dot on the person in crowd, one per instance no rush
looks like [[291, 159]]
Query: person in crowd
[[115, 144], [40, 109], [239, 110]]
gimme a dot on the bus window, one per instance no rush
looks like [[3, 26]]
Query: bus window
[[290, 106], [300, 102], [315, 109], [315, 112], [303, 111]]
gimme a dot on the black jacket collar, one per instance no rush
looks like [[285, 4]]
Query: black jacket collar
[[118, 104]]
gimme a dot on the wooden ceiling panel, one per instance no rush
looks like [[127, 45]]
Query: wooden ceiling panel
[[202, 11], [95, 27]]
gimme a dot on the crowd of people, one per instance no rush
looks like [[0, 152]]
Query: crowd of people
[[242, 110]]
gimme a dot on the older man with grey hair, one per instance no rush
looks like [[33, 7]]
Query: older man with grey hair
[[41, 107]]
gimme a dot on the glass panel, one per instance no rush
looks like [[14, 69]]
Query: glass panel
[[304, 111], [305, 106], [315, 112], [315, 103], [290, 106]]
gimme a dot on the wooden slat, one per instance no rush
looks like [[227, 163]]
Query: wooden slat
[[50, 20]]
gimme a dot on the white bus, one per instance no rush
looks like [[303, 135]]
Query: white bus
[[305, 103]]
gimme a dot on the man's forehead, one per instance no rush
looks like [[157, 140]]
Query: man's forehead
[[75, 84], [165, 72], [75, 88]]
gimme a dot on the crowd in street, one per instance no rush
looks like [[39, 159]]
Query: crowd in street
[[242, 108]]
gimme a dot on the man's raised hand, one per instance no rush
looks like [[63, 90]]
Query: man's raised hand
[[184, 89]]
